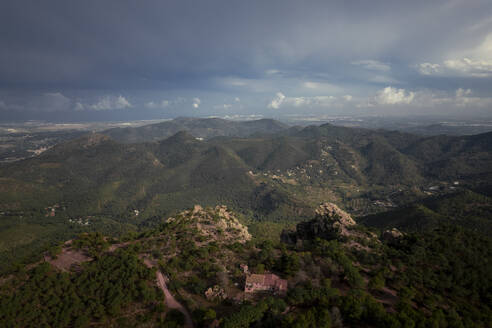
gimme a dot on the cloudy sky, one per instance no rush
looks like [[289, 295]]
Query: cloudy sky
[[117, 60]]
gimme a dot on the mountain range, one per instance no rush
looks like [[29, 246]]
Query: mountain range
[[200, 128], [93, 232], [274, 178]]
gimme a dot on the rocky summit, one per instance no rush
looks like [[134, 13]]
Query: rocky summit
[[329, 223], [217, 223]]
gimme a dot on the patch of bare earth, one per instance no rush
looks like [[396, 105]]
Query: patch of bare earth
[[67, 258]]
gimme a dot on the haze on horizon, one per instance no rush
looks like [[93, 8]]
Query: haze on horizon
[[116, 60]]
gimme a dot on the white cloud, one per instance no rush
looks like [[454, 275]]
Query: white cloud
[[311, 85], [157, 105], [277, 101], [321, 87], [310, 101], [110, 102], [393, 96], [347, 97], [461, 66], [57, 99], [464, 98], [272, 72], [79, 106], [373, 65], [463, 93], [471, 67], [3, 105], [196, 102], [458, 99], [281, 100], [474, 62], [237, 99], [428, 68]]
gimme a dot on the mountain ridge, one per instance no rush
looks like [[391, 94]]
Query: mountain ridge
[[199, 127]]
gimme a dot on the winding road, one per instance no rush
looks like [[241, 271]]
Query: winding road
[[171, 302]]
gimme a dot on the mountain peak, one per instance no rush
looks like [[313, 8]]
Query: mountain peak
[[217, 224]]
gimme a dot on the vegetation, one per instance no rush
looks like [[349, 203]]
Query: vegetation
[[275, 180], [105, 290], [416, 281], [120, 204], [464, 208]]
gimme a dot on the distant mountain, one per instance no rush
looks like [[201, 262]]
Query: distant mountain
[[199, 127], [311, 164], [449, 129]]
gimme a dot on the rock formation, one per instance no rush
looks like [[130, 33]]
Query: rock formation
[[329, 223], [392, 236], [218, 222]]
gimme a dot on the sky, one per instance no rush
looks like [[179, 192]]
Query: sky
[[120, 60]]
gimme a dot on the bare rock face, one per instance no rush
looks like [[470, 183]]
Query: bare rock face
[[329, 223], [229, 222], [392, 236], [197, 209], [333, 212], [218, 223]]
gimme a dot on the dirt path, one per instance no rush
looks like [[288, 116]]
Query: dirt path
[[171, 302]]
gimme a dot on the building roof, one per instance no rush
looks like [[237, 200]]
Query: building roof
[[268, 280], [255, 279]]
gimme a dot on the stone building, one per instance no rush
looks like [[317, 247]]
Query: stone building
[[265, 282]]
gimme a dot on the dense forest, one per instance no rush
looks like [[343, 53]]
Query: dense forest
[[440, 277]]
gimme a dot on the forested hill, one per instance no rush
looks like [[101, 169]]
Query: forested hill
[[263, 173], [275, 179], [336, 274], [199, 127], [465, 208]]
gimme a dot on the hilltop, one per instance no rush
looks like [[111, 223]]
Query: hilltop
[[193, 267]]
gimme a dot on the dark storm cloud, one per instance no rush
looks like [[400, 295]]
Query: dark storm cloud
[[134, 47]]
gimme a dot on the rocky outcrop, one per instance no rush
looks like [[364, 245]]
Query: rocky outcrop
[[218, 223], [215, 293], [330, 210], [392, 236], [329, 223]]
